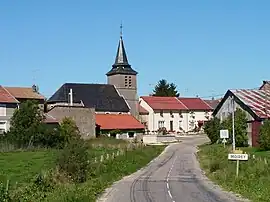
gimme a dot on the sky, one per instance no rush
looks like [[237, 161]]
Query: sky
[[204, 47]]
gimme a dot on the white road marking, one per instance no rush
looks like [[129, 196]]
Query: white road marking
[[167, 179]]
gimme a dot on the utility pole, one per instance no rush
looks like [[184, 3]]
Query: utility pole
[[233, 135]]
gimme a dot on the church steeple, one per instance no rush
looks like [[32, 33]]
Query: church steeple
[[121, 65]]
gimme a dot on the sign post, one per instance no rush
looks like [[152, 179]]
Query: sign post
[[238, 157], [224, 134], [233, 132]]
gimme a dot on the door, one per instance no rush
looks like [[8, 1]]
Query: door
[[171, 125]]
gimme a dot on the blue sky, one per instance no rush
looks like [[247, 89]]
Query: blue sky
[[205, 47]]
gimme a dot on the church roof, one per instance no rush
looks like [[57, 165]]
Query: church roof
[[102, 97], [121, 65]]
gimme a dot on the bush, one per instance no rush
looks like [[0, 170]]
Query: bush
[[240, 127], [28, 129], [162, 131], [68, 131], [25, 124], [73, 160], [4, 192], [264, 138], [212, 128]]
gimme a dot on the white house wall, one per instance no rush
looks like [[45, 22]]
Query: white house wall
[[183, 121], [149, 119]]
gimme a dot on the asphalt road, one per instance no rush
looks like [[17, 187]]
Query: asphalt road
[[174, 176]]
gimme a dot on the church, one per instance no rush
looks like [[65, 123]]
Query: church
[[115, 104]]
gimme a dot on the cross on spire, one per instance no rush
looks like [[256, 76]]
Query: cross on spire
[[121, 30]]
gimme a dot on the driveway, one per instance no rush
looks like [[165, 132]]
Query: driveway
[[174, 176]]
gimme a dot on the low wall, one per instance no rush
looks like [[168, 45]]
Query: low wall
[[165, 138], [149, 139], [158, 138]]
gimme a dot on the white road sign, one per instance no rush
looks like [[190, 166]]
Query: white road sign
[[224, 134], [240, 157]]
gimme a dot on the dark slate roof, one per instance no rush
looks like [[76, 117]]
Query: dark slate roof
[[102, 97], [121, 65]]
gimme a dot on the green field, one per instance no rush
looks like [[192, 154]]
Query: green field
[[254, 175], [22, 166]]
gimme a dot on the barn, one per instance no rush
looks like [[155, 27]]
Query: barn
[[256, 104]]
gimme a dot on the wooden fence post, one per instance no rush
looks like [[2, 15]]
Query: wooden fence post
[[101, 158]]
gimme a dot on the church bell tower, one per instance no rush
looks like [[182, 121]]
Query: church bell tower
[[124, 78]]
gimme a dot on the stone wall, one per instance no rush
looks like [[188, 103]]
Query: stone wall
[[84, 118]]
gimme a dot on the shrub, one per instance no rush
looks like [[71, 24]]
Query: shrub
[[264, 138], [68, 131], [240, 127], [4, 192], [162, 131], [25, 123], [73, 160], [212, 128]]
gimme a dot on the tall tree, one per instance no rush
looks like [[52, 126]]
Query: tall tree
[[165, 89], [25, 123]]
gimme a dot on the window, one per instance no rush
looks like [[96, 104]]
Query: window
[[161, 113], [180, 124], [192, 124], [161, 124], [3, 110], [2, 127], [131, 134], [171, 113], [129, 81], [126, 81]]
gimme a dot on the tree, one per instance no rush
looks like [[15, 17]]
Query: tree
[[165, 89], [68, 130], [212, 128], [240, 128], [25, 123], [264, 138]]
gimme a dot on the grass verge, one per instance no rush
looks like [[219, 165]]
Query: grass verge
[[102, 175], [22, 167], [254, 175]]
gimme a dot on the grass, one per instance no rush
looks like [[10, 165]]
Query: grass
[[20, 167], [254, 175], [23, 166], [104, 174]]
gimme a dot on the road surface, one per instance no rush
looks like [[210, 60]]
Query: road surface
[[174, 176]]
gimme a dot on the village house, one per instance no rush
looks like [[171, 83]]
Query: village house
[[114, 106], [175, 114], [10, 99], [213, 102], [27, 93], [8, 104], [256, 104]]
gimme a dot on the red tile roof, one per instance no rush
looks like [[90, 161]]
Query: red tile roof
[[118, 121], [164, 103], [213, 103], [195, 104], [6, 97], [24, 92], [257, 100]]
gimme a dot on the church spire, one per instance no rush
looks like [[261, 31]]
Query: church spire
[[121, 56], [121, 65]]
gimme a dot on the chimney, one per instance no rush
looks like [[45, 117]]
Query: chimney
[[34, 88], [71, 97]]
